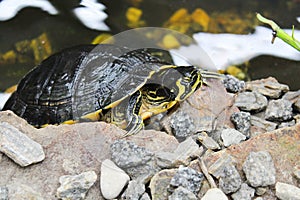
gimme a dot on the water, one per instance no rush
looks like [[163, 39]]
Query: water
[[64, 30]]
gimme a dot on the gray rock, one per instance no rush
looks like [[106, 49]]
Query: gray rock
[[137, 162], [259, 169], [268, 87], [3, 193], [233, 84], [127, 154], [214, 194], [287, 124], [182, 155], [112, 179], [287, 192], [145, 196], [260, 190], [182, 125], [217, 168], [263, 124], [160, 182], [134, 190], [75, 187], [242, 122], [187, 178], [18, 146], [182, 194], [207, 141], [292, 96], [231, 136], [251, 101], [259, 198], [279, 110], [244, 193], [230, 181]]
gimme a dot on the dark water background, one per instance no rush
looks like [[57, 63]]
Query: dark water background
[[64, 30]]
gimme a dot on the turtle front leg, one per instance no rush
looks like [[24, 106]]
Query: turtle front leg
[[135, 121]]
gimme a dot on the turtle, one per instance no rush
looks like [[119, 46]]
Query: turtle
[[113, 84]]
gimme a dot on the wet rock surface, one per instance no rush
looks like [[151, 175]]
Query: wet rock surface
[[217, 151]]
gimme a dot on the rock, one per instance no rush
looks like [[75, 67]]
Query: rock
[[259, 169], [230, 181], [279, 110], [268, 87], [182, 194], [18, 146], [3, 193], [287, 192], [292, 96], [233, 84], [241, 121], [182, 125], [207, 141], [286, 124], [217, 165], [251, 101], [187, 178], [231, 136], [75, 187], [160, 182], [260, 190], [135, 190], [182, 155], [137, 162], [296, 171], [245, 193], [88, 144], [261, 125], [145, 196], [112, 179], [214, 194]]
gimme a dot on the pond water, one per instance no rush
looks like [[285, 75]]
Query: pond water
[[65, 30]]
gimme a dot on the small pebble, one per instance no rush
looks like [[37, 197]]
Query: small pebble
[[233, 84], [214, 194], [182, 194], [279, 110], [251, 101], [242, 122], [287, 192], [187, 178], [269, 87], [230, 181], [259, 169], [18, 146], [231, 136], [182, 125], [134, 190], [207, 141], [244, 193], [112, 179], [76, 187], [260, 190]]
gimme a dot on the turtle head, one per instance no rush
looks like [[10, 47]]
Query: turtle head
[[189, 79]]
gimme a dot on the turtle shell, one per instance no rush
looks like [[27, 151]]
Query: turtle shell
[[81, 80]]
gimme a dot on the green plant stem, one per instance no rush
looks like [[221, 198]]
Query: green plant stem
[[278, 32]]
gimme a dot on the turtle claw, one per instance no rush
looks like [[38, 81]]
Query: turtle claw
[[134, 126]]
